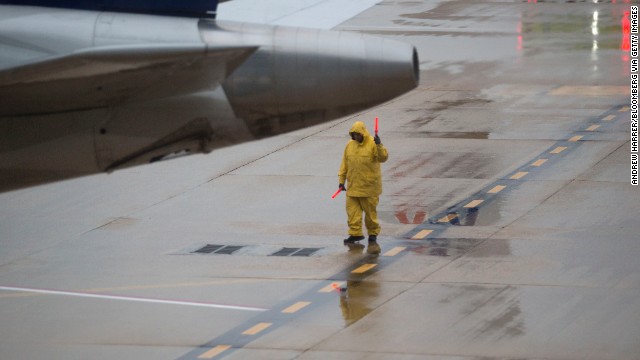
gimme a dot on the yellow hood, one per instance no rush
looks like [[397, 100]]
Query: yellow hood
[[360, 128]]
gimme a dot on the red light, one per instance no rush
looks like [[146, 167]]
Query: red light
[[626, 30], [626, 23], [519, 42]]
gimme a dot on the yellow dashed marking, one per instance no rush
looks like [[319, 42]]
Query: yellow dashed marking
[[474, 203], [593, 127], [539, 162], [448, 218], [332, 287], [609, 118], [364, 268], [626, 108], [576, 138], [395, 251], [496, 189], [519, 175], [214, 352], [559, 149], [421, 235], [295, 307], [256, 329]]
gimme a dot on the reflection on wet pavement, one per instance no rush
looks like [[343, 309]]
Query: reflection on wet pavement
[[356, 298]]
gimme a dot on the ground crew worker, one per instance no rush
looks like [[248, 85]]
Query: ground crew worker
[[361, 169]]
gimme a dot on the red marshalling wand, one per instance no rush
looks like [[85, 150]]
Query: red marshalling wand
[[336, 194], [376, 127]]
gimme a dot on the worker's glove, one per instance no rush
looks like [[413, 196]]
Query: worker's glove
[[377, 139], [341, 187]]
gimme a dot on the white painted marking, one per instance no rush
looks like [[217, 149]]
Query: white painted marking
[[129, 298]]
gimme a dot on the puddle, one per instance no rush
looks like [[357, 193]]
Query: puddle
[[355, 300]]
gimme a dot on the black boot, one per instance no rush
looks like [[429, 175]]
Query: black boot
[[373, 238], [352, 239]]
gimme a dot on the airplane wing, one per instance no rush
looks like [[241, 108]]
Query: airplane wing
[[88, 86], [107, 76]]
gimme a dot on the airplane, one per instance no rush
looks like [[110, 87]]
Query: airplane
[[90, 86]]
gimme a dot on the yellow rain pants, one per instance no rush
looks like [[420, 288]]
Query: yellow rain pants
[[355, 207]]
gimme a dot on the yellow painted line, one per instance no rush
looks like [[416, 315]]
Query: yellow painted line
[[559, 149], [519, 175], [593, 127], [539, 162], [576, 138], [364, 268], [295, 307], [214, 352], [496, 189], [395, 251], [609, 118], [474, 203], [626, 108], [448, 218], [332, 287], [421, 235], [256, 329]]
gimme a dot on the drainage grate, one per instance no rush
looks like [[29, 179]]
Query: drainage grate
[[218, 249], [295, 252]]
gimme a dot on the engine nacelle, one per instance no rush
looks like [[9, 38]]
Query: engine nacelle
[[300, 77]]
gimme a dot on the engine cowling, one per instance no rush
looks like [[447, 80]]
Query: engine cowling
[[299, 77]]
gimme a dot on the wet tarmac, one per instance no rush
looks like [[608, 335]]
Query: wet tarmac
[[509, 225]]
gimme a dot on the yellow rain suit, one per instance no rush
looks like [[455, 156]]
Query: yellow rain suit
[[361, 169]]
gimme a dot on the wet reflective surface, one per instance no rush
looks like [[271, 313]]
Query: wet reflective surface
[[526, 258]]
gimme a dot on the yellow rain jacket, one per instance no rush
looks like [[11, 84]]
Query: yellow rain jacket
[[361, 165]]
